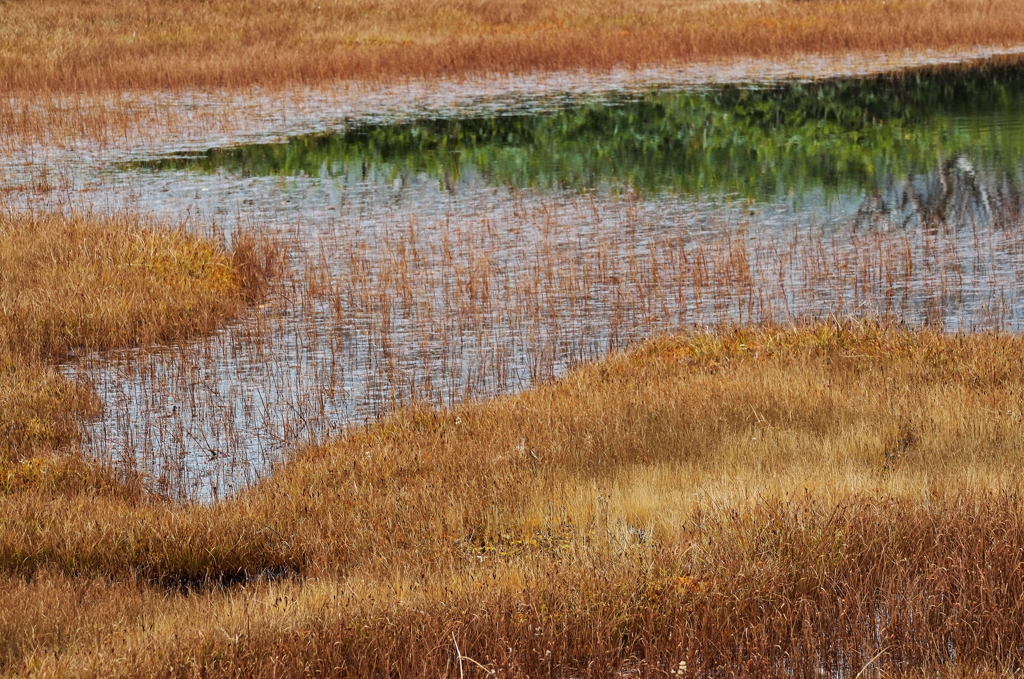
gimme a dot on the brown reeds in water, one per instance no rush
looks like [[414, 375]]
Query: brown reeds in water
[[483, 302], [82, 283]]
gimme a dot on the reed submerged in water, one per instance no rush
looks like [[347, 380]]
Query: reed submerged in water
[[82, 283]]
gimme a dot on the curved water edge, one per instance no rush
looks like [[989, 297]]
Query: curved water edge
[[418, 290]]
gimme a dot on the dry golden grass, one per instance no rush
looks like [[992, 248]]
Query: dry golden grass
[[82, 283], [758, 502], [649, 437], [85, 282], [766, 502], [62, 45]]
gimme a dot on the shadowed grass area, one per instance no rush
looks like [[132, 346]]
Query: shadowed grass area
[[754, 502]]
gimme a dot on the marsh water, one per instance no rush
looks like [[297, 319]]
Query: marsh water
[[440, 259], [843, 138]]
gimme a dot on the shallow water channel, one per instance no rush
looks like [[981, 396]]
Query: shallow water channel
[[437, 260]]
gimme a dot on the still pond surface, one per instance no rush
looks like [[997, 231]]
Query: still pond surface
[[439, 260]]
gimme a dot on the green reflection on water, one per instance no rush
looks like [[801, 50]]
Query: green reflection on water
[[837, 135]]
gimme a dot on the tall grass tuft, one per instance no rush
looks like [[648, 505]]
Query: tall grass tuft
[[74, 283]]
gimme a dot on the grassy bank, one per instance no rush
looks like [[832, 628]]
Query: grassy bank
[[84, 283], [126, 75], [758, 502], [835, 498], [56, 45]]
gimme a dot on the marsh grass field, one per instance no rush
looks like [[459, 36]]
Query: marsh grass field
[[765, 501], [598, 442], [62, 45], [758, 501]]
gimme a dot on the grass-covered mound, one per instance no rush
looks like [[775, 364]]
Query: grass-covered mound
[[757, 502], [80, 283]]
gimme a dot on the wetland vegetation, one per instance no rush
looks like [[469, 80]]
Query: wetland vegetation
[[63, 45], [74, 283], [461, 259], [841, 496], [710, 381]]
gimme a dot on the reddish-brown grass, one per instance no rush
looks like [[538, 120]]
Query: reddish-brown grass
[[81, 283], [761, 502], [63, 45]]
